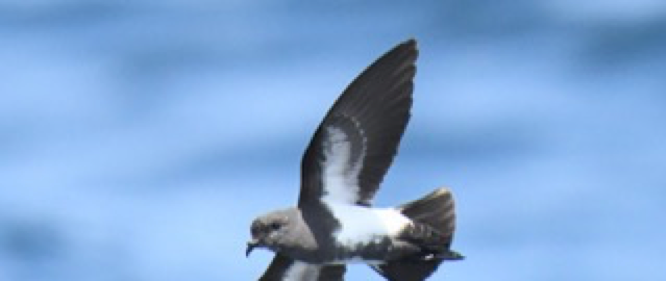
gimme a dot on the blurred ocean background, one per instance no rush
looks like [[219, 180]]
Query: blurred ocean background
[[138, 139]]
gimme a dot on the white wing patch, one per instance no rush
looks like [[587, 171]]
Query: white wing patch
[[300, 271], [360, 226], [340, 177]]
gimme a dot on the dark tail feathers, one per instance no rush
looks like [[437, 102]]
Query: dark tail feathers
[[435, 210]]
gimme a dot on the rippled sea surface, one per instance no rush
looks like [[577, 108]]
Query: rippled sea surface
[[139, 139]]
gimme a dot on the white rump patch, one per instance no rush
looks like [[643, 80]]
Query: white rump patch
[[300, 271], [360, 226], [340, 175]]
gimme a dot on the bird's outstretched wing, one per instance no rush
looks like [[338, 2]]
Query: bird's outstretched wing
[[285, 269], [356, 142]]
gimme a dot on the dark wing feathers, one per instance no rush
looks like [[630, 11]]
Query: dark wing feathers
[[372, 113], [368, 119], [282, 267]]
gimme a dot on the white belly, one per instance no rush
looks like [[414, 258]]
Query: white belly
[[360, 225]]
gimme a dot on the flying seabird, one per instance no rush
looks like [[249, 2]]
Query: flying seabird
[[341, 170]]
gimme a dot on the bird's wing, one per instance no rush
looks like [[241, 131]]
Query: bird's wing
[[355, 144], [283, 268]]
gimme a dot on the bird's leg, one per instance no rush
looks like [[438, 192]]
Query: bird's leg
[[448, 255]]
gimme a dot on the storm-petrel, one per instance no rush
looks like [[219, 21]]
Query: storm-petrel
[[342, 168]]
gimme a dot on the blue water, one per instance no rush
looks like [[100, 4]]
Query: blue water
[[139, 139]]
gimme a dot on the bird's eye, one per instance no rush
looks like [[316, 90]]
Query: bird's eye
[[275, 226]]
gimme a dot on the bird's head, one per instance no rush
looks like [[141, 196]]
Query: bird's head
[[272, 230]]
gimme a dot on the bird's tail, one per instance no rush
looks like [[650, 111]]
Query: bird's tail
[[437, 211]]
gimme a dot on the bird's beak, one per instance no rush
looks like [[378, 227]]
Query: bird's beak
[[250, 246]]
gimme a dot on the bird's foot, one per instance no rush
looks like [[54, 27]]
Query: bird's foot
[[449, 256]]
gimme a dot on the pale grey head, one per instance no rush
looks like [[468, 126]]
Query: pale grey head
[[277, 230]]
